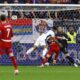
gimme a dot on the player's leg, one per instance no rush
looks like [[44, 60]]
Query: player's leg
[[14, 63], [37, 43], [31, 50], [50, 61], [1, 49], [48, 55], [71, 60], [0, 54], [44, 51], [12, 57], [43, 56], [45, 60], [56, 54], [55, 57]]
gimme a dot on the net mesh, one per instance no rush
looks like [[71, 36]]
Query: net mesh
[[25, 27]]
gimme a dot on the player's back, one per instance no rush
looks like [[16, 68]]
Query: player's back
[[7, 34]]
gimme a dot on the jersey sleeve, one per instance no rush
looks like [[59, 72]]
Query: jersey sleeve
[[66, 36], [52, 33]]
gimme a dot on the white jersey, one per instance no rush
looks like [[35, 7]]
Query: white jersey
[[50, 32], [41, 40]]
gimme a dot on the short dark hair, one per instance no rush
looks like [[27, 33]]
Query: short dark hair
[[3, 17], [54, 28]]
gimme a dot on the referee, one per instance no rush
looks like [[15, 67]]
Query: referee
[[63, 40]]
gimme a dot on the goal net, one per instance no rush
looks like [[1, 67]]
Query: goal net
[[27, 20]]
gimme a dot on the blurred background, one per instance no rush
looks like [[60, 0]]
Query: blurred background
[[41, 1]]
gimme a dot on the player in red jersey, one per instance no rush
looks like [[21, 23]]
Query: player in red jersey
[[54, 48], [5, 41]]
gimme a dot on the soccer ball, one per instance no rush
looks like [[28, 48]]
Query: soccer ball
[[14, 17]]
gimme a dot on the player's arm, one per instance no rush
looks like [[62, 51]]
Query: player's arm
[[59, 37], [67, 38], [55, 58]]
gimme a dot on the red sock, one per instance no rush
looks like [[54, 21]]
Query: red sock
[[14, 62], [45, 60], [56, 56]]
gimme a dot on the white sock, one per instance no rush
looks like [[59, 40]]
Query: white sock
[[30, 50], [44, 53]]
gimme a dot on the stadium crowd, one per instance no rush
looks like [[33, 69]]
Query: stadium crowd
[[61, 15], [42, 1]]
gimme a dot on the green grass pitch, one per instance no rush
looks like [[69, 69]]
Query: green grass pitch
[[36, 73]]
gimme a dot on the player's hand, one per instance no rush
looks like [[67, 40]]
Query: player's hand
[[64, 38]]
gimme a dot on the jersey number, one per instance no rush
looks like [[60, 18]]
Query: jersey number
[[8, 32]]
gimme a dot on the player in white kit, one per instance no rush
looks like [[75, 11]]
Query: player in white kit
[[41, 42]]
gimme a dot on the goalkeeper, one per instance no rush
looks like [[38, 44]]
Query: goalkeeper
[[63, 40]]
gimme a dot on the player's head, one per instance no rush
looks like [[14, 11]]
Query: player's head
[[42, 26], [2, 18], [60, 29]]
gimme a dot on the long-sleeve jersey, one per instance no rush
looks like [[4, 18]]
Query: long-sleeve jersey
[[63, 41], [6, 34]]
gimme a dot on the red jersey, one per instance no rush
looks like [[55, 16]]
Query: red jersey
[[51, 40], [6, 35], [53, 47]]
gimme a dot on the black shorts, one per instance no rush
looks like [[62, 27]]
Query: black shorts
[[64, 50]]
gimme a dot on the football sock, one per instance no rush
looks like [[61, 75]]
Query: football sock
[[30, 50], [45, 60], [56, 56], [44, 53], [14, 62]]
